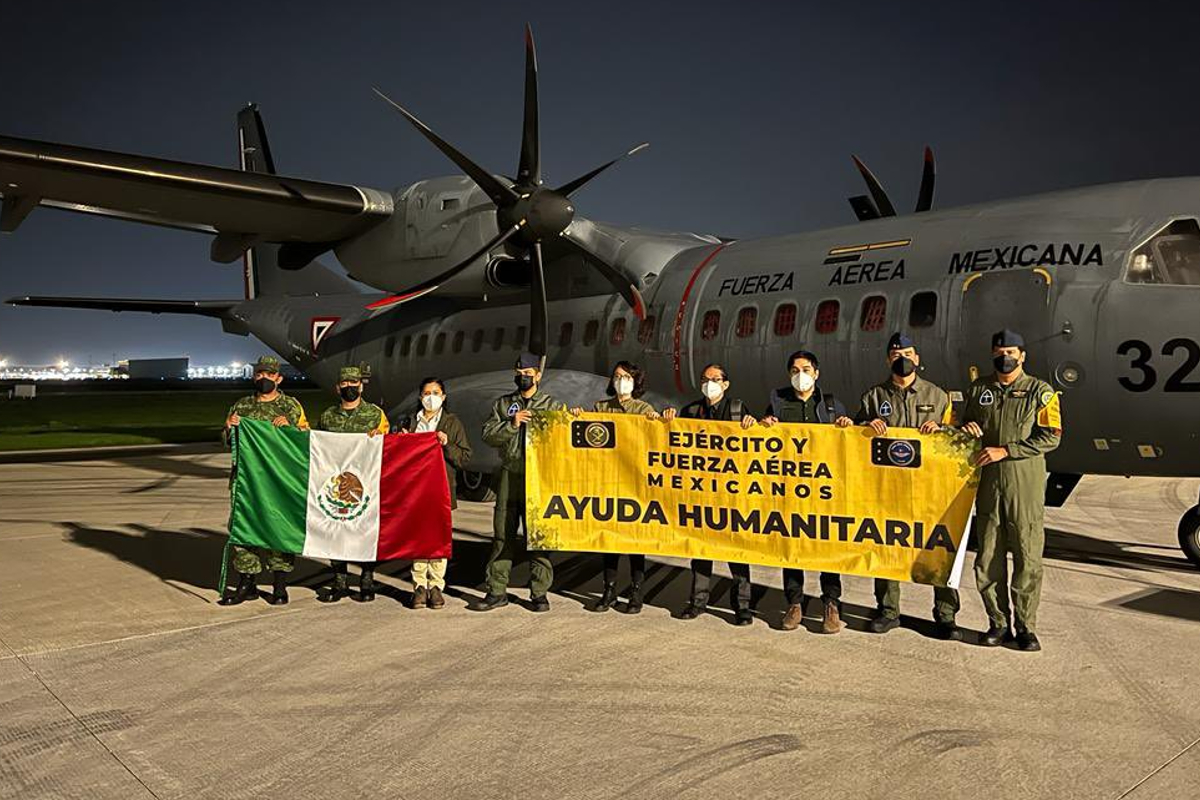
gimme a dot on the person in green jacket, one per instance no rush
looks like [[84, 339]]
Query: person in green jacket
[[429, 575], [906, 400], [1018, 420], [505, 431], [625, 389], [269, 404], [352, 414]]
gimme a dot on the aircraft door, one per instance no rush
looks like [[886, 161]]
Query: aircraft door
[[1019, 300]]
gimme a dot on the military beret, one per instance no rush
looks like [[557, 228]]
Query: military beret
[[1007, 338], [350, 374], [528, 360], [267, 364], [899, 341]]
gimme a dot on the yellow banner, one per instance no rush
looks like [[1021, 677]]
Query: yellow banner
[[811, 496]]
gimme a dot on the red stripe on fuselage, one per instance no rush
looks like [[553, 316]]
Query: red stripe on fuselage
[[678, 333]]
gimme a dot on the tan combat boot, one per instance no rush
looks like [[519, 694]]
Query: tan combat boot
[[832, 622], [791, 619]]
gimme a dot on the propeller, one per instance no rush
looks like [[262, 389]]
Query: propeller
[[879, 204], [528, 213]]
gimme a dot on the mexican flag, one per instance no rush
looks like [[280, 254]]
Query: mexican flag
[[343, 496]]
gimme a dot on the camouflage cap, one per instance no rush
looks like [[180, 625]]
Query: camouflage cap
[[350, 374], [266, 364]]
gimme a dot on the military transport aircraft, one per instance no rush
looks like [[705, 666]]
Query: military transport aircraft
[[1103, 282]]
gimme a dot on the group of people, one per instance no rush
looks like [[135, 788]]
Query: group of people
[[1015, 416]]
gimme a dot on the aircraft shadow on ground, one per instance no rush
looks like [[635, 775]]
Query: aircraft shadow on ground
[[192, 557], [1065, 546], [1178, 603]]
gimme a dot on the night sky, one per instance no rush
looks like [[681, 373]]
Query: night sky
[[752, 111]]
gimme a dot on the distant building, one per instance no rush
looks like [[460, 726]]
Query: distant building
[[157, 368]]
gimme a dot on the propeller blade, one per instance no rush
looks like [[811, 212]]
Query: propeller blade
[[500, 194], [928, 174], [537, 303], [529, 172], [886, 209], [442, 277], [622, 282], [575, 185]]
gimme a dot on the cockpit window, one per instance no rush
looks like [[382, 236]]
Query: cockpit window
[[1171, 257]]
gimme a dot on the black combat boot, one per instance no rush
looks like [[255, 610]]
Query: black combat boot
[[634, 606], [994, 636], [1028, 641], [279, 597], [693, 609], [489, 602], [607, 600], [366, 586], [246, 590], [338, 589]]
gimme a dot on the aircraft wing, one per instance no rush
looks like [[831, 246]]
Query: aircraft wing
[[241, 207]]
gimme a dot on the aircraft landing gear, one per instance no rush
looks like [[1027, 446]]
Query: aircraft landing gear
[[1189, 534]]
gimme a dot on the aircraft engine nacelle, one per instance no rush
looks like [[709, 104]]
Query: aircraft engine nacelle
[[436, 224]]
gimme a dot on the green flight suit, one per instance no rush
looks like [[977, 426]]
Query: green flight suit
[[1023, 418], [249, 560], [500, 433], [910, 407], [363, 418]]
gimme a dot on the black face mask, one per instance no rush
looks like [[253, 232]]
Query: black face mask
[[524, 382], [903, 367], [264, 385], [1005, 364], [349, 393]]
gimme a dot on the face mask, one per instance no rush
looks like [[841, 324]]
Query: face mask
[[432, 402], [803, 382], [349, 393], [712, 389], [1005, 364], [264, 385], [903, 367], [623, 386], [524, 382]]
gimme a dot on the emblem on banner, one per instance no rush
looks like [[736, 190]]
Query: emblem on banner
[[343, 497], [896, 452], [593, 434]]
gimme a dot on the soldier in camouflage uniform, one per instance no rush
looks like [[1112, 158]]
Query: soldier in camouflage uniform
[[351, 415], [269, 404], [1018, 419], [906, 400], [505, 431]]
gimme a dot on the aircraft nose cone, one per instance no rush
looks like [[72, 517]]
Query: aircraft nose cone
[[549, 214]]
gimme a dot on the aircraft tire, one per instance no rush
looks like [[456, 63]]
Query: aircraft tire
[[475, 487], [1189, 534]]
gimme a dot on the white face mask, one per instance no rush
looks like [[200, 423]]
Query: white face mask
[[803, 382], [712, 389], [432, 402], [623, 386]]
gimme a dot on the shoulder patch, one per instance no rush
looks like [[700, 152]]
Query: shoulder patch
[[1045, 397], [885, 409], [514, 408], [986, 398]]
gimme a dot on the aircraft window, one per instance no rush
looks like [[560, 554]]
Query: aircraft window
[[477, 341], [747, 321], [827, 316], [439, 344], [1172, 257], [618, 331], [458, 341], [874, 313], [449, 203], [922, 311], [406, 346], [646, 330], [519, 341], [389, 347], [422, 345], [710, 325], [591, 332], [498, 338], [785, 319], [565, 333]]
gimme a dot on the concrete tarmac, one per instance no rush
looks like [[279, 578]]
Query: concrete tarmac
[[121, 678]]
